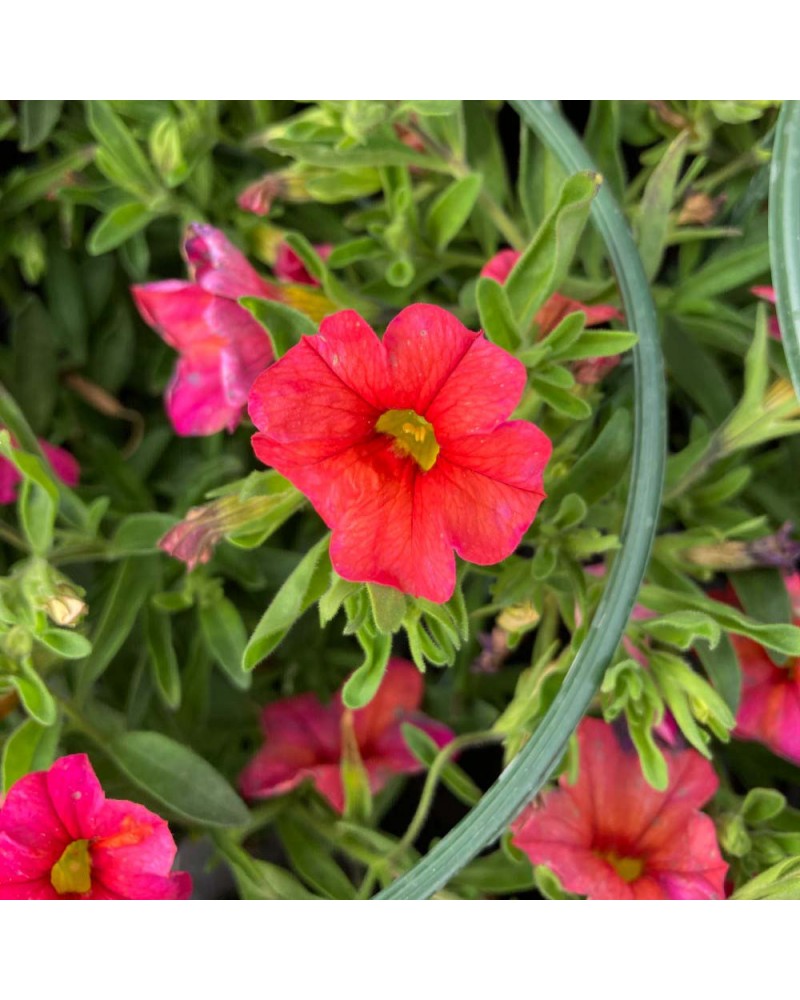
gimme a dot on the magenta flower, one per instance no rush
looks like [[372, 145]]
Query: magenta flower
[[769, 711], [61, 838], [767, 293], [613, 836], [303, 739], [289, 267], [588, 371], [404, 446], [222, 348], [63, 464]]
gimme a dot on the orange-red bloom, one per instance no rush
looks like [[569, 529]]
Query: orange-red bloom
[[403, 445], [613, 836], [303, 739], [769, 711]]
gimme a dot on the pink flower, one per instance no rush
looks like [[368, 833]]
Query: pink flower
[[64, 466], [612, 836], [289, 267], [403, 445], [590, 370], [767, 292], [303, 739], [769, 711], [61, 838], [222, 348]]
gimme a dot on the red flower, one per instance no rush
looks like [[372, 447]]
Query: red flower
[[304, 739], [61, 838], [612, 836], [767, 293], [289, 267], [222, 348], [64, 465], [769, 711], [590, 370], [403, 445]]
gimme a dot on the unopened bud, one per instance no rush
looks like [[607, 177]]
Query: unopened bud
[[699, 209], [66, 609]]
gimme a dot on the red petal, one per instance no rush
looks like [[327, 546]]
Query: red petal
[[220, 268], [501, 265], [424, 344], [766, 292], [64, 465], [489, 488], [32, 836], [176, 310], [76, 794], [388, 524], [480, 392], [247, 351]]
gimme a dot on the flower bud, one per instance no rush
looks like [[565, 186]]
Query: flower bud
[[66, 609]]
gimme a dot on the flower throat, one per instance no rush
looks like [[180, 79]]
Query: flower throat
[[413, 436]]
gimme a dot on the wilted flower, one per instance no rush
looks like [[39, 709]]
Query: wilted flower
[[63, 464], [613, 836], [60, 838], [403, 445], [778, 549], [304, 739], [288, 185], [699, 208], [556, 308], [222, 348]]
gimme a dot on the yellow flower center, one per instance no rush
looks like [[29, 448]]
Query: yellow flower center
[[413, 436], [628, 869], [72, 871]]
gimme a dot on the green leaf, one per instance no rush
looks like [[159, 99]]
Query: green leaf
[[283, 325], [659, 194], [69, 645], [722, 666], [117, 226], [426, 750], [305, 585], [738, 263], [132, 582], [600, 468], [31, 747], [388, 607], [361, 686], [139, 534], [597, 344], [226, 638], [27, 187], [764, 597], [561, 400], [762, 804], [498, 875], [451, 210], [36, 369], [177, 778], [37, 119], [683, 629], [544, 265], [784, 211], [120, 157], [34, 694], [161, 656], [497, 320], [37, 514], [311, 859]]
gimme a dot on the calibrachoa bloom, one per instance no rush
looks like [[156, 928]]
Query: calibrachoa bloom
[[590, 370], [61, 838], [612, 836], [304, 739], [769, 711], [767, 292], [289, 267], [403, 445], [64, 465], [222, 348]]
